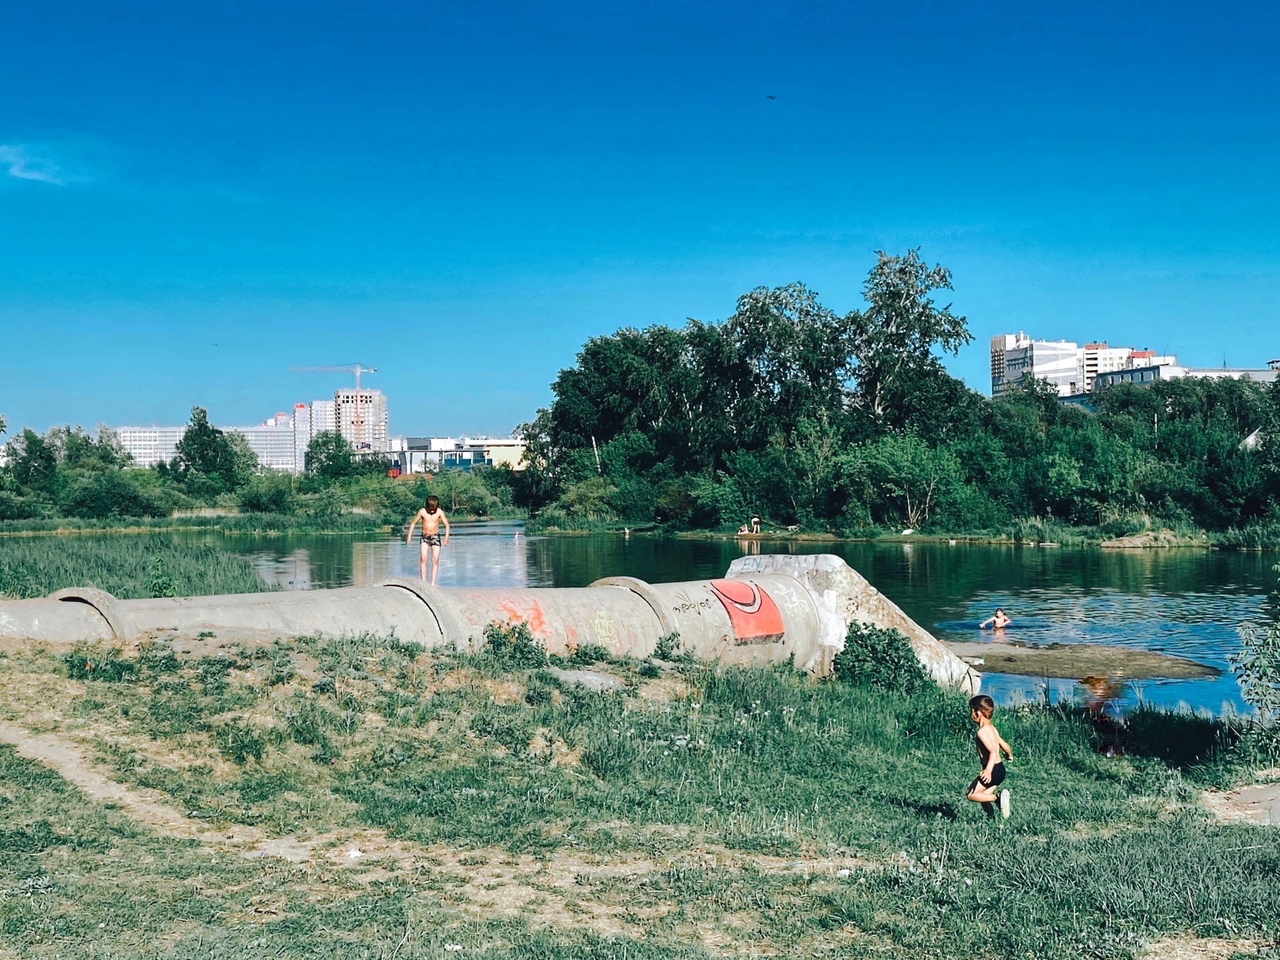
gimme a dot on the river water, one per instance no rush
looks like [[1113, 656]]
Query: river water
[[1189, 603]]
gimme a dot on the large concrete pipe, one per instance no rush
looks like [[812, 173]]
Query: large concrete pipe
[[768, 608]]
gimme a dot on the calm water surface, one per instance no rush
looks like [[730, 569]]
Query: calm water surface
[[1185, 602]]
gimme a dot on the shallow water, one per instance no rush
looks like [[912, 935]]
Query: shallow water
[[1189, 603]]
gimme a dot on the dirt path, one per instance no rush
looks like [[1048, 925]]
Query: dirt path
[[1254, 803], [147, 807]]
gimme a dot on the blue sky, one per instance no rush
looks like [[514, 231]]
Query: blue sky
[[196, 197]]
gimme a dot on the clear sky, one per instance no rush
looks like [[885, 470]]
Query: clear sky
[[197, 196]]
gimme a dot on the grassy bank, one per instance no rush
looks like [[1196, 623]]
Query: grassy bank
[[441, 805], [128, 567], [256, 523]]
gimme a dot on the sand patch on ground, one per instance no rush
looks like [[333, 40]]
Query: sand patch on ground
[[1254, 803], [1192, 948]]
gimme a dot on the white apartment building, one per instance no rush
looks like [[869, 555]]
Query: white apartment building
[[1016, 357], [272, 441], [302, 435], [1099, 358], [150, 445], [324, 416]]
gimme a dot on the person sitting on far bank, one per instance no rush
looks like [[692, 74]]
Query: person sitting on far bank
[[998, 621], [743, 529]]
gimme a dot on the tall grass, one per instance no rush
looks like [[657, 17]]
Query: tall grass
[[765, 766], [127, 567], [1255, 535], [228, 523]]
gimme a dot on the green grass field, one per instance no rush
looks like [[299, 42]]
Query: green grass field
[[442, 805]]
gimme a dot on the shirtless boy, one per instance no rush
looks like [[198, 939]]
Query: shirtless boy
[[997, 622], [430, 516], [991, 753]]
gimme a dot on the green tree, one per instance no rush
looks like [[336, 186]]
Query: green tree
[[34, 461], [244, 461], [900, 327], [206, 457], [904, 479], [329, 456], [791, 363], [270, 492]]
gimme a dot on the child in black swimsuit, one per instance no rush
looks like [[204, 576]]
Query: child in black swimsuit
[[430, 516], [990, 744]]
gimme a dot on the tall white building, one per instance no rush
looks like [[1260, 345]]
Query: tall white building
[[302, 435], [150, 445], [1016, 357], [272, 443], [1100, 358], [324, 416], [362, 419]]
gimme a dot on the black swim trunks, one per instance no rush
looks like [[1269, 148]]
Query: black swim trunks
[[431, 539], [997, 778]]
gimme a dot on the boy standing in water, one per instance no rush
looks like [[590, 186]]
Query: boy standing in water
[[997, 622], [430, 516], [990, 743]]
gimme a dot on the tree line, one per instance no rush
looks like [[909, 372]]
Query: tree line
[[70, 473], [849, 423], [846, 423]]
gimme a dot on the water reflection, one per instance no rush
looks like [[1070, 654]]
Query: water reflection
[[477, 555], [1187, 603]]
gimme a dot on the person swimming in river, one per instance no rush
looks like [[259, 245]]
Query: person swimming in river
[[997, 621]]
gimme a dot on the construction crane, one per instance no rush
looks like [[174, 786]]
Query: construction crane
[[358, 440]]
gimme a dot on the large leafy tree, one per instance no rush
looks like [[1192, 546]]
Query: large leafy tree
[[330, 456], [792, 362], [33, 460], [206, 456], [901, 326]]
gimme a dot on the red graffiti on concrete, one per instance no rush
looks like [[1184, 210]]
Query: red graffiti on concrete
[[752, 612], [528, 613]]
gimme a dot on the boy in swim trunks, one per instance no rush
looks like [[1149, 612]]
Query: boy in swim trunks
[[990, 743], [430, 516]]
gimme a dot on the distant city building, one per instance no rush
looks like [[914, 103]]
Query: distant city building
[[462, 453], [302, 435], [1072, 370], [1146, 375], [1016, 358], [149, 446], [324, 416], [272, 441], [362, 419]]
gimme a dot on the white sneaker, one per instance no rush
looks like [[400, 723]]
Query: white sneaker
[[1004, 804]]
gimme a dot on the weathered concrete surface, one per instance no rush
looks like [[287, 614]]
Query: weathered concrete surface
[[768, 609], [1074, 661], [844, 596]]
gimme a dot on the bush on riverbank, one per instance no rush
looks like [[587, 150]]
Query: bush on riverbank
[[454, 800]]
